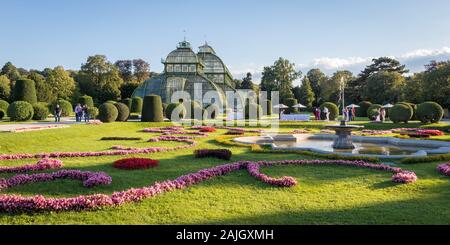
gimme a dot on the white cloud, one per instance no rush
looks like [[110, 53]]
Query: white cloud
[[339, 63], [426, 52]]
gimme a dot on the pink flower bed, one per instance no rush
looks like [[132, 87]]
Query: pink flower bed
[[42, 164], [418, 132], [444, 169], [26, 129], [375, 132], [404, 177], [14, 203], [135, 163], [89, 179]]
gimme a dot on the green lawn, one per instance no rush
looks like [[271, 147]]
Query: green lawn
[[324, 195]]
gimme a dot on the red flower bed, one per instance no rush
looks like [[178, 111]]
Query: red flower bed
[[135, 163], [207, 129], [224, 154]]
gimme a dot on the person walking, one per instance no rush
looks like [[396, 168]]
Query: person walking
[[327, 113], [57, 113], [383, 114], [319, 112], [86, 113], [353, 114], [78, 113]]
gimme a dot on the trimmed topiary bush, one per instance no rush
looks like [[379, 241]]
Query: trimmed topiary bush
[[211, 111], [267, 109], [429, 112], [413, 108], [3, 108], [127, 102], [25, 90], [152, 110], [93, 112], [20, 111], [86, 100], [40, 111], [361, 111], [164, 106], [123, 112], [65, 105], [401, 113], [136, 105], [171, 107], [290, 102], [107, 112], [332, 108], [191, 108], [251, 109], [373, 111]]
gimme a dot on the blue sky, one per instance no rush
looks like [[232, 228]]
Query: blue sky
[[247, 34]]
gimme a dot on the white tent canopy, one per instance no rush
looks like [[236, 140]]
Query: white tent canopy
[[352, 106], [281, 106], [299, 106], [388, 105]]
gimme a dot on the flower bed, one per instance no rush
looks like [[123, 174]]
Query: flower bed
[[42, 164], [204, 129], [121, 138], [135, 163], [224, 154], [89, 179], [375, 132], [404, 177], [244, 130], [94, 122], [418, 132], [444, 169], [234, 132], [14, 203], [173, 130], [27, 129]]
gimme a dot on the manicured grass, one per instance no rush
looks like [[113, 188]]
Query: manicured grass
[[324, 195]]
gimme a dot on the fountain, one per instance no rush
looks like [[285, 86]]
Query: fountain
[[344, 135]]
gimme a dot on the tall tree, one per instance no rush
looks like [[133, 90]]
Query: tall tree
[[383, 87], [247, 82], [10, 71], [306, 96], [316, 77], [412, 91], [43, 89], [329, 89], [141, 70], [99, 79], [387, 64], [237, 83], [125, 69], [61, 83], [279, 77], [436, 84], [5, 88]]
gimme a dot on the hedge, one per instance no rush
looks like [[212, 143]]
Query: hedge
[[152, 110], [290, 102], [40, 111], [429, 112], [25, 90], [20, 111], [136, 105], [413, 107], [127, 102], [401, 113], [65, 106], [3, 108], [361, 111], [123, 112], [107, 112], [93, 112], [332, 108], [191, 108], [171, 107], [433, 158], [86, 100], [373, 111]]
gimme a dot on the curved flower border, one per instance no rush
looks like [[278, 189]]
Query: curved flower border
[[89, 179], [42, 164], [14, 203], [444, 169]]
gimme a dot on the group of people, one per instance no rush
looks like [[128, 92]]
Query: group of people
[[381, 115], [318, 113], [349, 113], [80, 113]]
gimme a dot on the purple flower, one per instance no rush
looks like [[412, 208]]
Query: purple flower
[[444, 169]]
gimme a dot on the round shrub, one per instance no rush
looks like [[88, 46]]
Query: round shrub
[[3, 108], [86, 100], [373, 111], [429, 112], [123, 112], [107, 112], [172, 106], [93, 112], [152, 110], [332, 108], [25, 90], [66, 107], [267, 107], [211, 111], [361, 111], [413, 108], [127, 102], [111, 101], [290, 102], [20, 111], [191, 108], [40, 111], [250, 109], [136, 105], [401, 113]]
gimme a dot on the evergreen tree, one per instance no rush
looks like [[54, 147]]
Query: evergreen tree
[[306, 96]]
